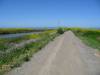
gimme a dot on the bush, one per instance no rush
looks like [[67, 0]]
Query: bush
[[60, 30], [27, 58]]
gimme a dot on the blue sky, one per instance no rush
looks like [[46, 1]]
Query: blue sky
[[49, 13]]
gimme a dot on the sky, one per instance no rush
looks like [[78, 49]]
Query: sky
[[49, 13]]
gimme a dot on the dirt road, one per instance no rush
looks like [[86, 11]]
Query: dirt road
[[66, 55]]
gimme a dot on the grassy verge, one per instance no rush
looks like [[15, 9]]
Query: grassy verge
[[90, 37], [19, 55]]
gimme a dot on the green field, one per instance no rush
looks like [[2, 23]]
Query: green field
[[18, 30]]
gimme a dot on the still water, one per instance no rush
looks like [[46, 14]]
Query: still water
[[17, 35]]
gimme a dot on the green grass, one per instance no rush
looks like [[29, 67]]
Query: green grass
[[14, 30], [19, 30], [19, 55], [90, 37]]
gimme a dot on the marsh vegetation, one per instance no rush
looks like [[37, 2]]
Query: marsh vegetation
[[15, 51]]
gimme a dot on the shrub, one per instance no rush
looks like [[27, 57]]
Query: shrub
[[60, 30], [26, 58]]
